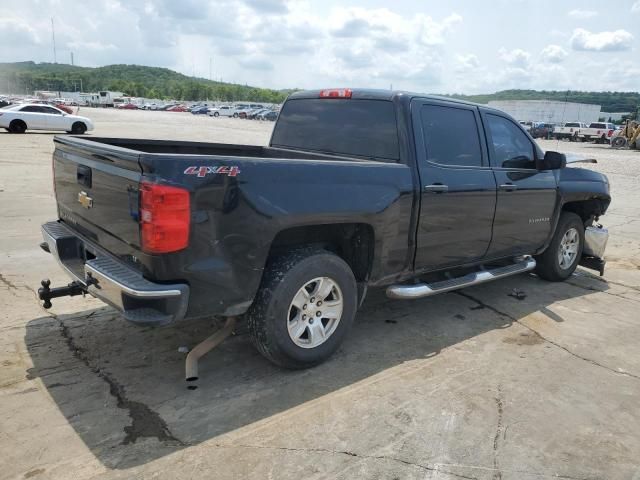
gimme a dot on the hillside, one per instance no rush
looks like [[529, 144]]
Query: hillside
[[135, 80], [610, 101], [154, 82]]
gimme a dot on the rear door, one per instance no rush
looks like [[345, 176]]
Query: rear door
[[458, 196], [526, 196]]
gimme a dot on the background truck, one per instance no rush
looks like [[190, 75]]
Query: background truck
[[569, 130], [357, 189], [601, 132]]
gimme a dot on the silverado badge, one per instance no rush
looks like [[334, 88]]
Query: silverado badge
[[85, 200]]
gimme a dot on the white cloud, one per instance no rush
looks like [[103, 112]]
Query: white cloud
[[602, 41], [466, 63], [582, 14], [553, 54], [516, 57]]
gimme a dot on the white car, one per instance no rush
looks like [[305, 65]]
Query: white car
[[33, 116], [223, 111]]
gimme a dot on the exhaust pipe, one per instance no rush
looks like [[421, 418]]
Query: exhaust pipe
[[191, 364]]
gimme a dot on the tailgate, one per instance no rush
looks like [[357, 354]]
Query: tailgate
[[96, 187]]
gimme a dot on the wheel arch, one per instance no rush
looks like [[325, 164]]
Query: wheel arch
[[353, 242]]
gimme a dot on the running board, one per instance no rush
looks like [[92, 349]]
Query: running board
[[419, 290]]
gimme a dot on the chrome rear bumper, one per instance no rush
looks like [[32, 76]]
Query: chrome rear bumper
[[113, 281]]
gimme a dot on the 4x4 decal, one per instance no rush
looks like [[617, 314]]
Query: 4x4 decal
[[204, 171]]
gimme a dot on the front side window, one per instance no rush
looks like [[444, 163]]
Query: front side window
[[50, 110], [511, 147], [451, 136]]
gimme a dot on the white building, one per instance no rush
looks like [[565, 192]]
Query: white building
[[548, 110]]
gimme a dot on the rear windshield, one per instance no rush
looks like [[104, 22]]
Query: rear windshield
[[364, 128], [572, 125], [598, 125]]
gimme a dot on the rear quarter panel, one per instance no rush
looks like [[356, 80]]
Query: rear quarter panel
[[236, 217]]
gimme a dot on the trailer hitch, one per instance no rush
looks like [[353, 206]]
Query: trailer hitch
[[45, 293]]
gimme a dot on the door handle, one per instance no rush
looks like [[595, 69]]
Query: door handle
[[436, 188], [508, 187]]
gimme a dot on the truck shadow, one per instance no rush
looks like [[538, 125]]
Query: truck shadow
[[122, 388]]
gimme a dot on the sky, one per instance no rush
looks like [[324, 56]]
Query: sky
[[453, 46]]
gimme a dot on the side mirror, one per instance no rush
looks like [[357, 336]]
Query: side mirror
[[552, 161]]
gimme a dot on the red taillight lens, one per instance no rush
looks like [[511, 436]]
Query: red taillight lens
[[165, 217], [610, 133], [336, 93]]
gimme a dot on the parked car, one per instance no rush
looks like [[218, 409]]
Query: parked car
[[30, 116], [223, 111], [254, 113], [64, 108], [601, 132], [128, 106], [526, 125], [177, 108], [200, 110], [291, 235], [569, 130], [150, 106], [270, 115], [541, 130]]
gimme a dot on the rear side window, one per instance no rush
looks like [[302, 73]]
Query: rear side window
[[511, 147], [364, 128], [451, 136], [31, 109], [598, 125]]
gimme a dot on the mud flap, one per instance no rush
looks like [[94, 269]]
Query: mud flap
[[593, 263]]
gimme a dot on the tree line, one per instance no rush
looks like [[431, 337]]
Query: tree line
[[134, 80]]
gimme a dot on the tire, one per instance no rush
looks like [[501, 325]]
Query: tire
[[78, 128], [274, 312], [17, 126], [235, 115], [619, 142], [216, 114], [549, 264]]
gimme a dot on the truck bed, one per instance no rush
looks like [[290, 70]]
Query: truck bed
[[172, 147]]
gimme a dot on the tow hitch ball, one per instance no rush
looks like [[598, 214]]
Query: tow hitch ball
[[46, 294]]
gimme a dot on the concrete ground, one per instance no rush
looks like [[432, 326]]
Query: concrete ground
[[519, 379]]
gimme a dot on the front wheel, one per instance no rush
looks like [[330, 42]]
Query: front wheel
[[304, 308], [78, 128], [561, 258]]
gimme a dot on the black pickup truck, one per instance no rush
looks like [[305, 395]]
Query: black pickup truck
[[357, 189]]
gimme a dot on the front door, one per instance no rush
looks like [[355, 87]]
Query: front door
[[458, 195], [527, 197]]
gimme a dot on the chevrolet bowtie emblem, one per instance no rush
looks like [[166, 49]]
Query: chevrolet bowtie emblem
[[85, 200]]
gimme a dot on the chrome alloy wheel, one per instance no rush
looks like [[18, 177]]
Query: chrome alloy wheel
[[568, 250], [314, 313]]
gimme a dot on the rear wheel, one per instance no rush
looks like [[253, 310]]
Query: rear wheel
[[216, 114], [304, 308], [235, 115], [78, 128], [17, 126], [561, 258]]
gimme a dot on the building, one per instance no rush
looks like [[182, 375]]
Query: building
[[548, 111], [614, 116]]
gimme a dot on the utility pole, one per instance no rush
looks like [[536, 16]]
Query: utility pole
[[210, 60], [53, 38], [71, 59]]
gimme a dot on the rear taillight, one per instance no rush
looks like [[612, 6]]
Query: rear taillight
[[609, 133], [571, 129], [598, 132], [336, 93], [165, 216]]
